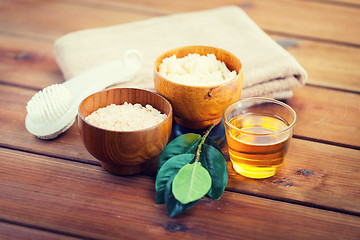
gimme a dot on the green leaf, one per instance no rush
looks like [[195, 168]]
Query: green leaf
[[170, 168], [173, 206], [208, 141], [179, 145], [194, 147], [199, 168], [211, 142], [191, 183], [213, 160]]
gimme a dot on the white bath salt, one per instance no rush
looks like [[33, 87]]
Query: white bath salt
[[126, 117], [196, 70]]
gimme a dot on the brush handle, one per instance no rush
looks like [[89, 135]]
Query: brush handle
[[52, 110], [105, 75]]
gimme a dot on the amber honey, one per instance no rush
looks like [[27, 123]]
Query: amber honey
[[258, 144]]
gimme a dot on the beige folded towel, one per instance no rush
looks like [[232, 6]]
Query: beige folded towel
[[269, 70]]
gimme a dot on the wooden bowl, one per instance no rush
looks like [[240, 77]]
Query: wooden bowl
[[127, 152], [197, 107]]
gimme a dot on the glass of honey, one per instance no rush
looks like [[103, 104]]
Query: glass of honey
[[258, 132]]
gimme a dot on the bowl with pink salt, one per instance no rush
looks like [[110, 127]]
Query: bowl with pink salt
[[126, 129]]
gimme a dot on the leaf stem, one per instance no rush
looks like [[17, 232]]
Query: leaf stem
[[198, 151]]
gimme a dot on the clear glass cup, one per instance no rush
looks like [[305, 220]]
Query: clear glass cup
[[258, 132]]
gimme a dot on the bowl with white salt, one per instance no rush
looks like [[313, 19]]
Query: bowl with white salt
[[200, 82], [126, 129]]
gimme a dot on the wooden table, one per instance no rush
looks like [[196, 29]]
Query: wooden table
[[57, 190]]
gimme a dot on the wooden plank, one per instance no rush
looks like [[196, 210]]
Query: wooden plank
[[51, 19], [28, 62], [303, 18], [311, 19], [76, 199], [354, 3], [16, 232], [335, 163], [14, 134], [314, 174], [328, 115], [320, 116], [162, 7], [327, 64], [84, 200]]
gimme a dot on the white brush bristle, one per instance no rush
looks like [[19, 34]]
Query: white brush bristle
[[54, 135], [49, 104]]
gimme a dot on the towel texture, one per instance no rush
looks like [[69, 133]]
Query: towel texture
[[269, 70]]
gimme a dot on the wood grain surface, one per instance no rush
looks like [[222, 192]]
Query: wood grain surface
[[85, 201], [57, 190]]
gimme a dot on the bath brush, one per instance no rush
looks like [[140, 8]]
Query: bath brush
[[53, 110]]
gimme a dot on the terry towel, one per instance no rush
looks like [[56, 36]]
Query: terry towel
[[269, 70]]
